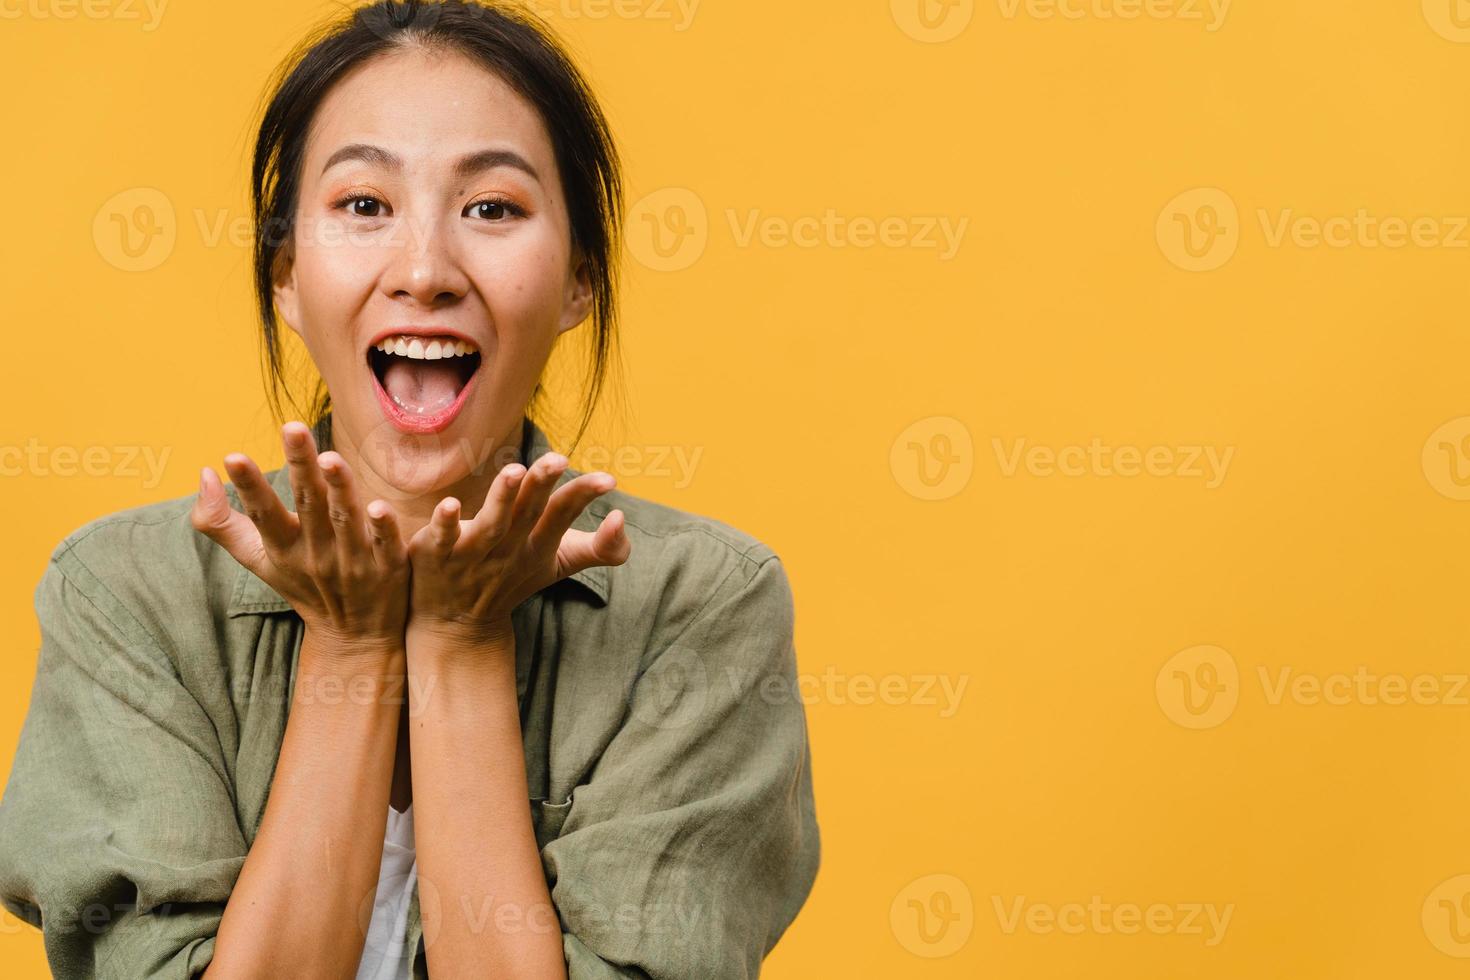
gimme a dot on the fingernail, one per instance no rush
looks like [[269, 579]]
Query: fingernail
[[202, 474]]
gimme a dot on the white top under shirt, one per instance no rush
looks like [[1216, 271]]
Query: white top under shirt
[[383, 955]]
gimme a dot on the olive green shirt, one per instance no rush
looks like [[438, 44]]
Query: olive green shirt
[[668, 768]]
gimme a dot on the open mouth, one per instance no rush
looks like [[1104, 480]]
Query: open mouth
[[422, 380]]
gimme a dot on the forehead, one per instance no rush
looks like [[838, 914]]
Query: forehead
[[429, 107]]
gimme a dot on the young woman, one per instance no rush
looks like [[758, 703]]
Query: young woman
[[423, 700]]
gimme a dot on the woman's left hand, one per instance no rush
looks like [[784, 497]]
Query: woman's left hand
[[469, 575]]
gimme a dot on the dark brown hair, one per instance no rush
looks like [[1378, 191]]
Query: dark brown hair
[[518, 49]]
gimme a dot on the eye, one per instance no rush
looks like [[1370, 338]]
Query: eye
[[362, 206], [494, 209]]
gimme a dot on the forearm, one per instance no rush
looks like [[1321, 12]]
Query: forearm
[[473, 834], [295, 908]]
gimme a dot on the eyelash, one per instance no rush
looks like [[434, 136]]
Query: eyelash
[[510, 207]]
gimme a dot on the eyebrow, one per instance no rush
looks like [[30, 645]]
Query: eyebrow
[[465, 166]]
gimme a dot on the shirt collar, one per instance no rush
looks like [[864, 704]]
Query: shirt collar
[[251, 595]]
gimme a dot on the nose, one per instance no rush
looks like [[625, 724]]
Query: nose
[[425, 267]]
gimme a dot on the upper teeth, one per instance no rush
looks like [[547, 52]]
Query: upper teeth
[[415, 347]]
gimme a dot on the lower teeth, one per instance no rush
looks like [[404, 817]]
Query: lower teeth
[[421, 409]]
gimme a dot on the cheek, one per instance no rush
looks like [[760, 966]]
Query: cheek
[[330, 279], [522, 284], [330, 283]]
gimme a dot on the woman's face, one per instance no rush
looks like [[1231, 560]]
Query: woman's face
[[431, 222]]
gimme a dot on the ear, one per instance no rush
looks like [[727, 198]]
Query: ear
[[577, 301], [283, 277]]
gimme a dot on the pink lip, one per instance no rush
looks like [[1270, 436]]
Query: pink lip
[[421, 424]]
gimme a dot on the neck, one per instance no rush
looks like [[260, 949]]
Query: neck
[[414, 485]]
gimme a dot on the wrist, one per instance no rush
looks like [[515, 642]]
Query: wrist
[[472, 656], [338, 672], [446, 636], [326, 645]]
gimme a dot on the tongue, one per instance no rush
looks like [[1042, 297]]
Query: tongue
[[421, 387]]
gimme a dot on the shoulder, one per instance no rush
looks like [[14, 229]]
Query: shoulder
[[685, 564], [701, 607]]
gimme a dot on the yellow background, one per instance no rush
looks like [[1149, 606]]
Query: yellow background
[[830, 388]]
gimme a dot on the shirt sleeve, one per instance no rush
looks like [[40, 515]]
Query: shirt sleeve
[[118, 832], [694, 842]]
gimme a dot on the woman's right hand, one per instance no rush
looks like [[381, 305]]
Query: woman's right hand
[[345, 570]]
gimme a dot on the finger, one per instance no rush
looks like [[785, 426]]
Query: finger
[[309, 487], [608, 545], [442, 530], [388, 548], [348, 525], [567, 501], [262, 505], [493, 518], [214, 517], [534, 491]]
